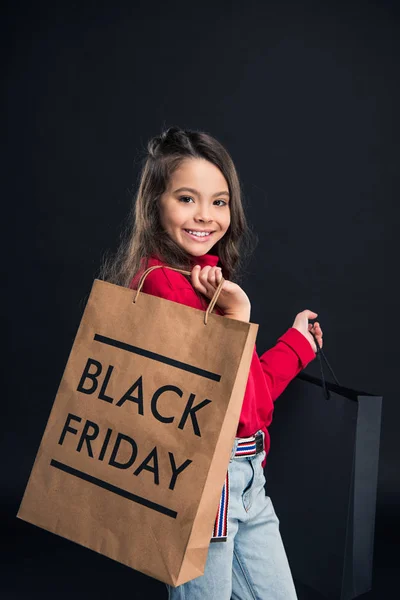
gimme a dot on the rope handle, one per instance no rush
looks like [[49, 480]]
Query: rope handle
[[320, 353], [213, 299]]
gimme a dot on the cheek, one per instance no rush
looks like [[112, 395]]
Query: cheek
[[168, 218], [227, 221], [175, 217]]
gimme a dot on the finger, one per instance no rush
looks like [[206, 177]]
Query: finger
[[197, 284], [318, 329], [203, 275], [205, 278], [212, 276], [218, 274], [206, 281], [318, 339]]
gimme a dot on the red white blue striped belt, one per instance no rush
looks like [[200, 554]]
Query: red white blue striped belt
[[242, 447]]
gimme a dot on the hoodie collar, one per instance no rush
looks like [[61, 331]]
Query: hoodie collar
[[205, 260]]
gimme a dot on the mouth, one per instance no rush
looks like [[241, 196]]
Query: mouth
[[198, 235]]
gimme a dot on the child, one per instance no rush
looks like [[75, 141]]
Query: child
[[188, 214]]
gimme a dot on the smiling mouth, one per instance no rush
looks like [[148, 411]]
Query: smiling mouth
[[198, 235]]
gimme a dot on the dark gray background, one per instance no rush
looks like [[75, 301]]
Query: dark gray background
[[301, 94]]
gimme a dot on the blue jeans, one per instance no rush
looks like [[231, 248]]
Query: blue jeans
[[252, 563]]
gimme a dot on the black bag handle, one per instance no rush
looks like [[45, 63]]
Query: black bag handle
[[320, 353]]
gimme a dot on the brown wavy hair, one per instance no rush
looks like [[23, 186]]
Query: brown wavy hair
[[144, 236]]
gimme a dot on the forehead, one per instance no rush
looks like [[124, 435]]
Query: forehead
[[200, 174]]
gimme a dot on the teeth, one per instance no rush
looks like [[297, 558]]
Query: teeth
[[198, 233]]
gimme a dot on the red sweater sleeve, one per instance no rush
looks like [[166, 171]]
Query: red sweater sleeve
[[279, 365], [285, 360]]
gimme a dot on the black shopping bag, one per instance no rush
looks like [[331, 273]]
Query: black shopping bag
[[322, 477]]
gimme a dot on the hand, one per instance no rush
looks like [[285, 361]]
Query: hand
[[301, 324], [232, 300]]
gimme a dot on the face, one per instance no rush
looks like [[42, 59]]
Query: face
[[194, 209]]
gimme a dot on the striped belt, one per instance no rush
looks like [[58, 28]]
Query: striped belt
[[242, 447]]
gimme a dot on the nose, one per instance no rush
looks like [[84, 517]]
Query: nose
[[203, 214]]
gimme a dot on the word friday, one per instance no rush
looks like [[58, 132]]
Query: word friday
[[90, 381], [91, 431]]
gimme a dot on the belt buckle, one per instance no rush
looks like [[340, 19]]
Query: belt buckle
[[259, 443]]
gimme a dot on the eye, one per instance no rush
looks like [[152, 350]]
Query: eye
[[184, 198]]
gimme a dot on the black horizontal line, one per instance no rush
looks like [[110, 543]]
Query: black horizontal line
[[154, 356], [114, 489]]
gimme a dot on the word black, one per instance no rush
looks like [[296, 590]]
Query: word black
[[137, 389]]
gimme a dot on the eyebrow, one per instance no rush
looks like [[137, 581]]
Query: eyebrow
[[193, 191]]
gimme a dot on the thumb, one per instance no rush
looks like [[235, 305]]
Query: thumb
[[310, 314]]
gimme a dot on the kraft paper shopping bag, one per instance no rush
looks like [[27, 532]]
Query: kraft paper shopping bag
[[137, 444]]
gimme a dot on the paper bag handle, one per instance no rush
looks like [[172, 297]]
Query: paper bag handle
[[212, 301]]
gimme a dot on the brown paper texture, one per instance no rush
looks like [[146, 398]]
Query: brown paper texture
[[138, 441]]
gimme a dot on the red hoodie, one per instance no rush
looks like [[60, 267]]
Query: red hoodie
[[269, 374]]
